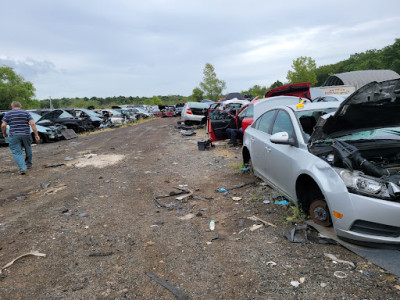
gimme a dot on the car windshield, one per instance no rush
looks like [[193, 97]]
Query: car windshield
[[388, 133], [35, 116], [198, 105], [65, 115], [309, 118], [89, 112]]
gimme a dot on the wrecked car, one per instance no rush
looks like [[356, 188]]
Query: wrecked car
[[219, 120], [59, 116], [194, 113], [47, 133], [93, 118], [340, 162]]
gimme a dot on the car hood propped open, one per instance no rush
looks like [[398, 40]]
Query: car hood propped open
[[375, 105], [51, 115]]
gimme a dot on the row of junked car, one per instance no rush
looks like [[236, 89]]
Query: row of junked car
[[52, 125], [338, 159]]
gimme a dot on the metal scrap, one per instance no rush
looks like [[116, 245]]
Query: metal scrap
[[335, 259], [174, 290], [34, 253], [187, 193]]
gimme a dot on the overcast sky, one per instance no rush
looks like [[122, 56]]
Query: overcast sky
[[86, 48]]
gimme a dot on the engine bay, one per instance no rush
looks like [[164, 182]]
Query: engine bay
[[365, 162]]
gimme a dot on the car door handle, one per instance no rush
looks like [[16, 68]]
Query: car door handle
[[268, 149]]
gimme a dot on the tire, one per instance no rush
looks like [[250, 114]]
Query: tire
[[319, 212]]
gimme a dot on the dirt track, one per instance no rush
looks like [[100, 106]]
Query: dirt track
[[102, 233]]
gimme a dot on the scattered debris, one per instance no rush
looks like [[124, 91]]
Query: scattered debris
[[101, 254], [216, 237], [187, 193], [45, 185], [397, 287], [340, 274], [255, 227], [222, 190], [299, 234], [82, 214], [4, 224], [282, 202], [21, 198], [150, 243], [295, 283], [271, 263], [177, 292], [69, 158], [266, 201], [255, 218], [34, 253], [54, 165], [55, 189], [236, 198], [336, 260], [323, 284], [187, 132], [186, 217]]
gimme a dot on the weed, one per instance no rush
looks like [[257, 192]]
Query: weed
[[295, 214]]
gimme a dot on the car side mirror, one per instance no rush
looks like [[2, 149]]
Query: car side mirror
[[282, 138]]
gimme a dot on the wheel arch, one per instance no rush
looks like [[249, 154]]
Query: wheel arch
[[307, 190]]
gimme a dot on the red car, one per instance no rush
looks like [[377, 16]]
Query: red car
[[218, 120]]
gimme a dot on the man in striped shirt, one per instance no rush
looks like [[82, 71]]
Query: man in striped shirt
[[19, 136]]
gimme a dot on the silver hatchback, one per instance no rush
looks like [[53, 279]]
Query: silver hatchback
[[340, 162]]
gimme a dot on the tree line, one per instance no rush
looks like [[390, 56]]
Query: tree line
[[304, 69]]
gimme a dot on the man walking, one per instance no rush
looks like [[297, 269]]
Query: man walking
[[19, 136]]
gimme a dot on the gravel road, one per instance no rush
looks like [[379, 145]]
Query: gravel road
[[97, 206]]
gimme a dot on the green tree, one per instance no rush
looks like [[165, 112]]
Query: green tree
[[304, 70], [197, 95], [275, 85], [211, 86], [14, 88]]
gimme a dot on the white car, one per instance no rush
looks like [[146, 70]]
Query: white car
[[194, 112], [339, 161]]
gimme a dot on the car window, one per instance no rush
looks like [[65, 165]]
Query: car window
[[247, 112], [264, 122], [283, 123], [219, 115]]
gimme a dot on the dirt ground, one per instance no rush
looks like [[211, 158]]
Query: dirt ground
[[88, 204]]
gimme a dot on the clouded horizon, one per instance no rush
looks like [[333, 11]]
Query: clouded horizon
[[110, 48]]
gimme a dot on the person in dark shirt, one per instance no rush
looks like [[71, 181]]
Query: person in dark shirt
[[19, 136], [234, 131]]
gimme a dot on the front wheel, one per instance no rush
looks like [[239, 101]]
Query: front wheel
[[319, 212]]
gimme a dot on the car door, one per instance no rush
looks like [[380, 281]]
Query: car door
[[258, 142], [281, 158], [217, 123]]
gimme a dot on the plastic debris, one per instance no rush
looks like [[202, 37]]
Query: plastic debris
[[335, 259], [34, 253], [21, 198], [82, 214], [187, 217], [255, 227], [282, 202], [45, 185], [295, 283], [222, 190], [298, 234], [4, 224], [323, 284], [271, 263], [266, 201], [340, 274], [236, 198], [216, 237], [245, 169]]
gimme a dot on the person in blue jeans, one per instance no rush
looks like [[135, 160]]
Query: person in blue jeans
[[19, 136]]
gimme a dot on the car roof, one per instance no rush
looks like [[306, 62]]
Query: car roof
[[314, 106]]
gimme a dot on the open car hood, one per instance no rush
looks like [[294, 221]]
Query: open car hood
[[50, 116], [375, 105]]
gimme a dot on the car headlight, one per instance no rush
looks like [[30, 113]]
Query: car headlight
[[359, 183]]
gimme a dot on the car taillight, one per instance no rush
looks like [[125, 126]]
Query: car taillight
[[188, 111]]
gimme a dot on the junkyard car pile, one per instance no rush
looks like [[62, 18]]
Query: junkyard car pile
[[338, 159]]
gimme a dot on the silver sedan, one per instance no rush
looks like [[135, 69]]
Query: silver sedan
[[340, 162]]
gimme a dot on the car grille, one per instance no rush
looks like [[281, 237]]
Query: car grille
[[371, 228]]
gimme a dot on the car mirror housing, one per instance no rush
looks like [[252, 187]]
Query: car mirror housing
[[281, 138]]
